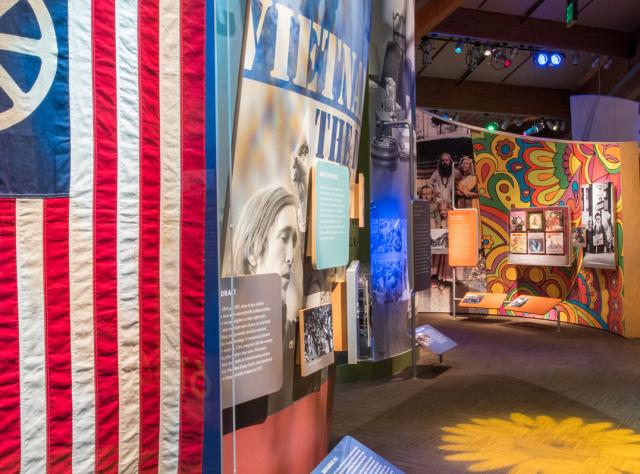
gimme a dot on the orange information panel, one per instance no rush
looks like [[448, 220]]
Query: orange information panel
[[532, 304], [463, 237]]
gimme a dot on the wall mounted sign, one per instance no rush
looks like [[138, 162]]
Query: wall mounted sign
[[463, 237], [420, 246], [329, 234], [251, 317]]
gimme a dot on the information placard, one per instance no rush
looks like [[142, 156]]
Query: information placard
[[463, 237], [420, 246], [429, 337], [350, 455], [330, 215], [255, 325]]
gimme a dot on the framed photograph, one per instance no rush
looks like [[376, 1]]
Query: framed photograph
[[316, 339], [518, 302], [579, 236], [553, 221], [599, 221], [535, 242], [534, 221], [555, 243], [518, 242], [518, 221]]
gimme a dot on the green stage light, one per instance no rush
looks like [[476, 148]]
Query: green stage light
[[492, 126]]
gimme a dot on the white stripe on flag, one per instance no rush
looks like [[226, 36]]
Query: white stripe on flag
[[128, 229], [33, 390], [81, 237], [169, 85]]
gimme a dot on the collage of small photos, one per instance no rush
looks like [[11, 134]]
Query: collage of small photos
[[537, 231]]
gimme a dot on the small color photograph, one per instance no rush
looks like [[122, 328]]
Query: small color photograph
[[535, 221], [579, 236], [472, 299], [518, 221], [519, 301], [535, 242], [518, 243], [553, 221], [555, 243]]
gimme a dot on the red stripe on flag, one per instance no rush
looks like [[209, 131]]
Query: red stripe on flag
[[105, 235], [57, 336], [9, 345], [192, 16], [149, 235]]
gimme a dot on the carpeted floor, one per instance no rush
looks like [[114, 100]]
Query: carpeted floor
[[513, 396]]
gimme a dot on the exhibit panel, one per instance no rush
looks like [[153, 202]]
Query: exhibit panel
[[551, 221], [284, 243], [391, 124], [532, 173]]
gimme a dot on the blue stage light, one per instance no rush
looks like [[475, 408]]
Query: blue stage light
[[459, 47], [556, 59], [541, 58]]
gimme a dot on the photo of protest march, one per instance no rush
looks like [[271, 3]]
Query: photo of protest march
[[598, 216], [316, 333]]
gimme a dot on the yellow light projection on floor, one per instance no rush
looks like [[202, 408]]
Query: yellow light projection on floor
[[543, 445]]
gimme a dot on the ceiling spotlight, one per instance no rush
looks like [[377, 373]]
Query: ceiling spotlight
[[556, 59], [517, 122], [608, 62], [575, 58], [473, 57], [487, 50], [534, 129], [504, 124], [499, 59], [492, 126], [513, 53], [426, 46], [459, 47], [553, 125], [595, 63], [541, 58]]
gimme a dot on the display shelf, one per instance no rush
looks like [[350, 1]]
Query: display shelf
[[487, 301], [533, 304]]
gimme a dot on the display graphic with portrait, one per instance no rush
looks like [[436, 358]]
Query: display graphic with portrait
[[296, 105], [447, 179], [535, 221], [535, 241], [598, 216], [518, 221]]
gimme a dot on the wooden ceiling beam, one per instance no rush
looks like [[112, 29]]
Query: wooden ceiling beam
[[503, 28], [437, 93], [433, 12]]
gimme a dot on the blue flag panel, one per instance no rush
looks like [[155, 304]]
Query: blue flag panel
[[34, 99]]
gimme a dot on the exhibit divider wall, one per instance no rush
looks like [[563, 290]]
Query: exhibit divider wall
[[284, 235], [522, 186]]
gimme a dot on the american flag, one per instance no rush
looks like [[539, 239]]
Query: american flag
[[101, 284]]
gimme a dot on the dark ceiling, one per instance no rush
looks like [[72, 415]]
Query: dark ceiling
[[600, 52]]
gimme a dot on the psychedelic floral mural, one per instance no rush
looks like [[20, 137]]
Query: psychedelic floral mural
[[516, 172]]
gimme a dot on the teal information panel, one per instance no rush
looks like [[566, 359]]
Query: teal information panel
[[331, 208]]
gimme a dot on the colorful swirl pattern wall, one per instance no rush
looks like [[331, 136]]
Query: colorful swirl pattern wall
[[523, 172]]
